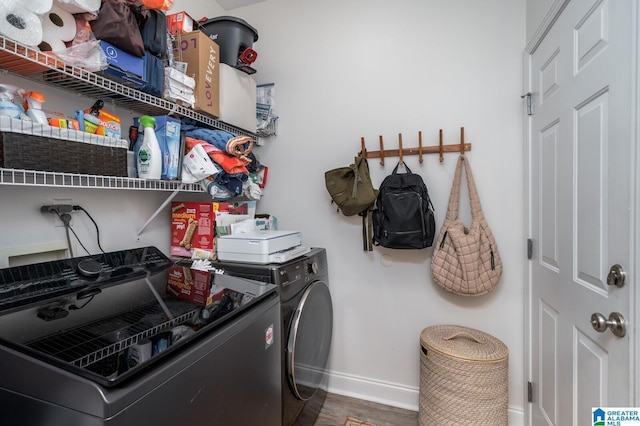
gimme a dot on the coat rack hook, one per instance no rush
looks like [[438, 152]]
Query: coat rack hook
[[461, 140], [420, 146], [441, 147], [363, 148], [400, 147], [381, 151]]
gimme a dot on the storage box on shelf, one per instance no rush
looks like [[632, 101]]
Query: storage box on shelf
[[30, 146], [123, 67], [180, 23], [237, 98], [202, 56]]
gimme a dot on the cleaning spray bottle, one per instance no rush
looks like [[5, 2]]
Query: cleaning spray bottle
[[10, 101], [33, 104], [149, 162]]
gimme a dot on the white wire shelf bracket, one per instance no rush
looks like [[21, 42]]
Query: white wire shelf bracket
[[48, 69], [71, 180]]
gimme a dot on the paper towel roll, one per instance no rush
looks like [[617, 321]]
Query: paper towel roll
[[58, 26], [19, 24], [38, 6], [79, 6]]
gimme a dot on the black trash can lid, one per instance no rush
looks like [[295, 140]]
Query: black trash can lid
[[237, 20]]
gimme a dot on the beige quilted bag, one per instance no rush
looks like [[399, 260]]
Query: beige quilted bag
[[465, 260]]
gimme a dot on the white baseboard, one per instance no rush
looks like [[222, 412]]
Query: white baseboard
[[373, 390], [392, 394]]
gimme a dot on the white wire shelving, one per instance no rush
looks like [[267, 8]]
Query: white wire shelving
[[48, 69], [72, 180]]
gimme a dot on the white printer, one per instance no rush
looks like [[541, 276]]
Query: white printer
[[261, 246]]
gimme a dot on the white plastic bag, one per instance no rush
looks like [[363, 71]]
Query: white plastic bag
[[87, 55]]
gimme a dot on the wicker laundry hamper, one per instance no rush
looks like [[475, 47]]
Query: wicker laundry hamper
[[463, 377]]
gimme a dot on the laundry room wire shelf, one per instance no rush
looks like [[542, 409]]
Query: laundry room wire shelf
[[48, 69], [73, 180]]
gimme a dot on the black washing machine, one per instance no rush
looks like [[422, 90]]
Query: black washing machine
[[307, 324]]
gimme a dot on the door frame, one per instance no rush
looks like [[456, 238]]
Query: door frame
[[634, 314]]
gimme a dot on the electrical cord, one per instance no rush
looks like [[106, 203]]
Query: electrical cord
[[66, 219], [94, 224]]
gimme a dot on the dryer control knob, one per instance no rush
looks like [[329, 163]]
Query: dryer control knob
[[313, 267]]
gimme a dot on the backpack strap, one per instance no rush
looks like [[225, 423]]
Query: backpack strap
[[367, 229], [407, 170], [370, 229], [364, 231], [354, 190]]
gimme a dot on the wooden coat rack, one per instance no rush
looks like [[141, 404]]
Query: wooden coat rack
[[420, 150]]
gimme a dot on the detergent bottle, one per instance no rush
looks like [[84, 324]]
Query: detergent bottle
[[149, 163], [33, 104]]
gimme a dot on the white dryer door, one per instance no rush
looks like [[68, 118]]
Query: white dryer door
[[310, 340]]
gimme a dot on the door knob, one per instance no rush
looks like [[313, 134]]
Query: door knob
[[616, 276], [616, 323]]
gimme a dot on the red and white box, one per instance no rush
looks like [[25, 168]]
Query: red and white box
[[192, 228], [193, 285], [181, 23]]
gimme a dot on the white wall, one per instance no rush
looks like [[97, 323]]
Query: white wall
[[345, 70]]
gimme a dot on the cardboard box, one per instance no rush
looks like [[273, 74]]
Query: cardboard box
[[193, 285], [109, 124], [181, 23], [123, 67], [203, 58], [237, 98], [192, 228]]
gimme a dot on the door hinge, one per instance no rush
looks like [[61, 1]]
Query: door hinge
[[529, 101], [529, 248], [529, 392]]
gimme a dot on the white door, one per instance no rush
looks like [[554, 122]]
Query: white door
[[581, 205]]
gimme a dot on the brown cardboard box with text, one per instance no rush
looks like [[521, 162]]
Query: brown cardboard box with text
[[203, 58]]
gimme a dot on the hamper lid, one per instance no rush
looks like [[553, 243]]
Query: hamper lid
[[464, 343]]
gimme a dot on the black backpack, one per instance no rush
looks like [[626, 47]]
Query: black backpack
[[155, 34], [403, 214], [154, 75]]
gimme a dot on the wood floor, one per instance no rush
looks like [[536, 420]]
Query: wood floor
[[337, 408]]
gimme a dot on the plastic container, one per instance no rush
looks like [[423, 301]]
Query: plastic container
[[233, 35], [149, 156], [10, 101], [33, 103]]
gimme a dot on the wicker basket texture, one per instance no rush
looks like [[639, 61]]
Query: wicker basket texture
[[463, 377], [31, 152]]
